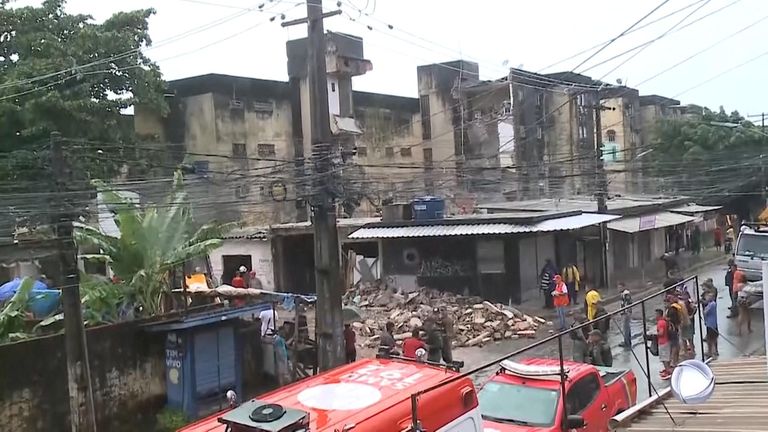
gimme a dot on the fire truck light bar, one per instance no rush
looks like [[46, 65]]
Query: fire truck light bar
[[525, 370]]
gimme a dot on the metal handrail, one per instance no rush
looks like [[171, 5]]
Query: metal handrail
[[619, 420], [558, 336]]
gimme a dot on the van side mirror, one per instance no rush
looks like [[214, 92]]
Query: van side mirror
[[574, 422]]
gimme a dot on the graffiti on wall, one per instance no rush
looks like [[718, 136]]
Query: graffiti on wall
[[438, 267]]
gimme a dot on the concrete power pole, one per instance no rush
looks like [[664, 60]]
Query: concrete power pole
[[601, 191], [763, 181], [82, 413], [330, 323]]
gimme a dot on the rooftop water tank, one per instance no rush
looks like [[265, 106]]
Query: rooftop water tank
[[428, 208]]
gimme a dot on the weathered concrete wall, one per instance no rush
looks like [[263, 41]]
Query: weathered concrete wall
[[391, 143], [128, 373], [440, 88]]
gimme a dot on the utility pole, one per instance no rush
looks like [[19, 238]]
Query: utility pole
[[330, 323], [764, 181], [82, 413], [601, 190]]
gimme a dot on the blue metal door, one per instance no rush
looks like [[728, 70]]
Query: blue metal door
[[214, 361]]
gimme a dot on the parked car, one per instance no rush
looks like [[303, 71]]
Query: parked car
[[751, 250]]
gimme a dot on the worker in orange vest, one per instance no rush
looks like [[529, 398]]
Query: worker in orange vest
[[560, 300]]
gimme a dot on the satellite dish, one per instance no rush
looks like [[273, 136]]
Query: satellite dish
[[692, 382], [618, 81]]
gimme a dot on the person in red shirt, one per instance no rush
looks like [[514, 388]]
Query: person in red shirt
[[238, 282], [665, 349], [718, 236], [349, 343], [560, 300], [413, 343]]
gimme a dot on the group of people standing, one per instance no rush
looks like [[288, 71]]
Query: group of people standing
[[680, 238], [675, 322], [435, 337], [730, 238], [590, 344]]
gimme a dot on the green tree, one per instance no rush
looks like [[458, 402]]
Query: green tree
[[64, 72], [710, 156], [153, 241]]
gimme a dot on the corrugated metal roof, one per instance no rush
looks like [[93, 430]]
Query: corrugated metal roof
[[737, 404], [648, 222], [694, 208], [436, 230], [579, 203], [340, 222]]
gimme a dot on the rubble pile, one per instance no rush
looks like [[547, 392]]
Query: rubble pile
[[476, 322]]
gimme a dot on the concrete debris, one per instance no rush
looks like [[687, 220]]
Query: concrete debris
[[476, 321]]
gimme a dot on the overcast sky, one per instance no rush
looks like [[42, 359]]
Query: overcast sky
[[222, 36]]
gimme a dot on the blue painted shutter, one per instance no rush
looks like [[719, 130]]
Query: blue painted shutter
[[214, 361]]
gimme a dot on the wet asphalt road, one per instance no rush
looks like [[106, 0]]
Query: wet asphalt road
[[730, 344]]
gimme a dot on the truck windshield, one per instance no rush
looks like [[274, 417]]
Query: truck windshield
[[518, 404], [753, 245]]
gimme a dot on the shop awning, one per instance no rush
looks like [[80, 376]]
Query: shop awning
[[648, 222], [468, 229], [692, 209]]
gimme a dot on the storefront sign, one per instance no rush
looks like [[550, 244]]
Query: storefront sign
[[647, 222]]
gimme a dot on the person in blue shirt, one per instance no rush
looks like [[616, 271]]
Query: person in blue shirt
[[282, 366], [710, 320]]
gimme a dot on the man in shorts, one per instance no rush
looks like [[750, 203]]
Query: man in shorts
[[665, 348]]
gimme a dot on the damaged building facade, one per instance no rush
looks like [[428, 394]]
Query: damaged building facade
[[623, 144], [541, 127], [249, 137]]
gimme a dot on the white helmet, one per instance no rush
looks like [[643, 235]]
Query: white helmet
[[421, 354]]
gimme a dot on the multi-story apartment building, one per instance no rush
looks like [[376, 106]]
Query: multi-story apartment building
[[524, 136], [654, 108], [249, 137], [621, 127], [541, 129]]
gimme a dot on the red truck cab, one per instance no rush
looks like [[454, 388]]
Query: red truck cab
[[526, 396], [369, 395]]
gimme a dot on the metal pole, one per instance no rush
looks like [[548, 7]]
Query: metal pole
[[765, 300], [415, 424], [295, 370], [82, 412], [601, 191], [647, 355], [701, 318], [562, 375]]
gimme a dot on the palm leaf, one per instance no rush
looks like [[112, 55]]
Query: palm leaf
[[13, 314]]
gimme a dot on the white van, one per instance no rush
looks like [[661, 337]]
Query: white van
[[751, 250]]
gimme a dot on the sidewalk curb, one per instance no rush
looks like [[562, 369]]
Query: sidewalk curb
[[614, 298]]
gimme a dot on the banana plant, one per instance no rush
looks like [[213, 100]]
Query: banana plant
[[153, 241], [13, 315]]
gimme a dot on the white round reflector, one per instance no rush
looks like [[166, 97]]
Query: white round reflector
[[692, 382]]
